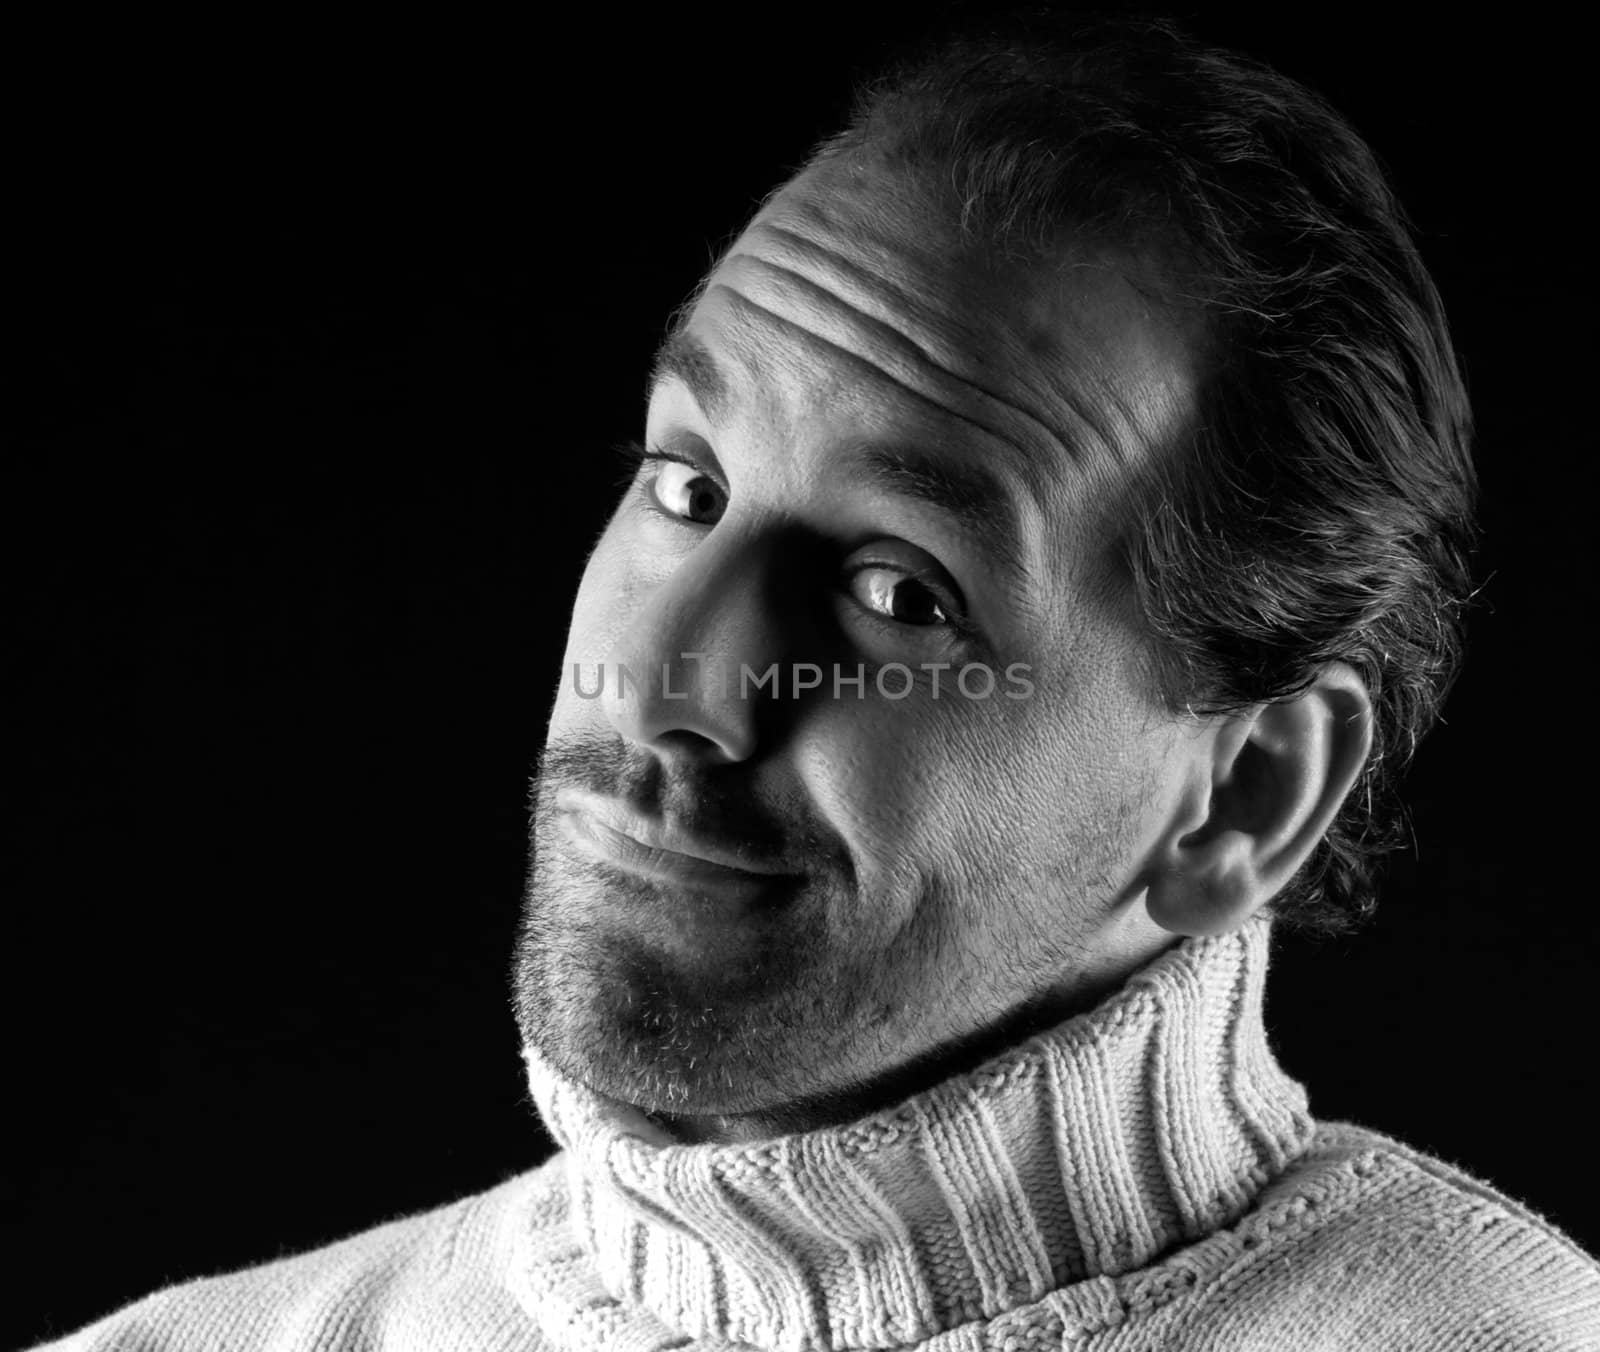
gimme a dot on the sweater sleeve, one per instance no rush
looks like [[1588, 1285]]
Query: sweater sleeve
[[436, 1280]]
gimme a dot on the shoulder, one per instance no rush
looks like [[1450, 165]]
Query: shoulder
[[1364, 1243], [1421, 1192], [1417, 1253], [435, 1280]]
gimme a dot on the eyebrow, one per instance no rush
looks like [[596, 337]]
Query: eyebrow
[[684, 357], [973, 496]]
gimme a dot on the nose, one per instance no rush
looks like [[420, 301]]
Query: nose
[[682, 679]]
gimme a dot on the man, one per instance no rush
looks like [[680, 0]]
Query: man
[[1048, 539]]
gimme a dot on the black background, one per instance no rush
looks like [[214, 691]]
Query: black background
[[328, 337]]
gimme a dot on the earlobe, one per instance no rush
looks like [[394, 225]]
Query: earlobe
[[1266, 786]]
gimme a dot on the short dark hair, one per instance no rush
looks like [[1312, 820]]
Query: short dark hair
[[1323, 509]]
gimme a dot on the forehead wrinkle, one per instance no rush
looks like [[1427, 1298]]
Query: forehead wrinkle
[[1064, 386], [894, 355], [740, 301], [1115, 405], [876, 296]]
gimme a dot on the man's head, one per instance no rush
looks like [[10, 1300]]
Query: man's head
[[1103, 369]]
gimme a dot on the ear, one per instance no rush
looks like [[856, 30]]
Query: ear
[[1265, 788]]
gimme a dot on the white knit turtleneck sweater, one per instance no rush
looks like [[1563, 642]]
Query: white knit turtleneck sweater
[[1141, 1177]]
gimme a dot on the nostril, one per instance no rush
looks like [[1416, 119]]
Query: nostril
[[682, 744], [683, 718]]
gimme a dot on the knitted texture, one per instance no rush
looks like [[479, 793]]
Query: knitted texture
[[1141, 1177]]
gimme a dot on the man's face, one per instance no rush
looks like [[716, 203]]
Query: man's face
[[882, 448]]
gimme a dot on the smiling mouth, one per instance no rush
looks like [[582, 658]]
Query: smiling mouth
[[650, 848]]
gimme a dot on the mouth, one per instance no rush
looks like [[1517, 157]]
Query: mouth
[[651, 848]]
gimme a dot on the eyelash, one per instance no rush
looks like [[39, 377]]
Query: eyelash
[[635, 454]]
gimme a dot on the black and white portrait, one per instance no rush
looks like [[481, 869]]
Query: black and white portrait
[[880, 677]]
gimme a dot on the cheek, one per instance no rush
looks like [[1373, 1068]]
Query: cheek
[[632, 559], [948, 786], [978, 790], [600, 611]]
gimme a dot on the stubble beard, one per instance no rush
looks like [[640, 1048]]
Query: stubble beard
[[671, 1035], [814, 1022]]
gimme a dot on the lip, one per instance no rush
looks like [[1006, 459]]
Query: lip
[[652, 848]]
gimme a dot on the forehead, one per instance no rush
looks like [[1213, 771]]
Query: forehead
[[852, 283]]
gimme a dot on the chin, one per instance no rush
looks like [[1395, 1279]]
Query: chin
[[682, 1033], [659, 1056]]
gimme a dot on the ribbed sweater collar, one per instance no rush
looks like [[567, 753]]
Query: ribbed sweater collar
[[1084, 1152]]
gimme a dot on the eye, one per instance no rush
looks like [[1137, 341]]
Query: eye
[[682, 490], [902, 596]]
